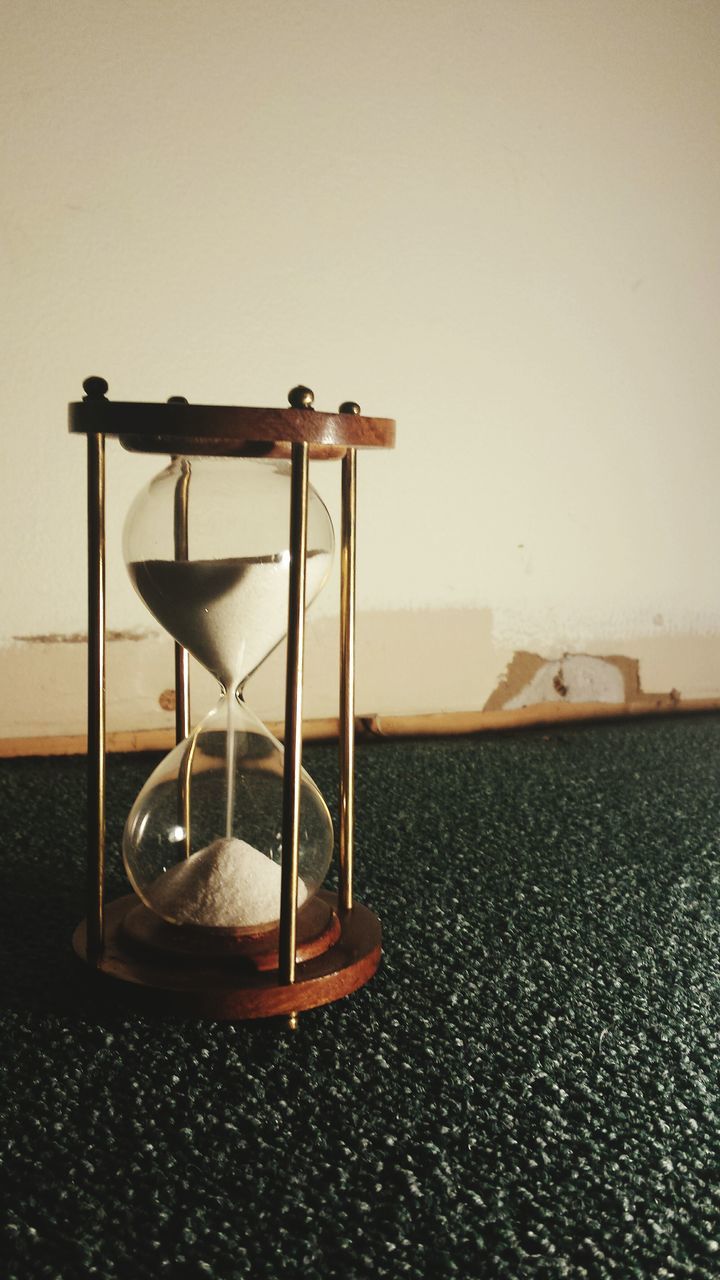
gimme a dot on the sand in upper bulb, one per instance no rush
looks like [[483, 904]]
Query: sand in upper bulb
[[230, 614]]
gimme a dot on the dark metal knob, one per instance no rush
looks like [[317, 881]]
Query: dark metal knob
[[95, 388], [177, 400], [301, 398], [349, 406]]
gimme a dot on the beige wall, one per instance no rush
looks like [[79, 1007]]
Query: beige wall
[[496, 220]]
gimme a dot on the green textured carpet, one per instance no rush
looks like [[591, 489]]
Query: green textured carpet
[[529, 1088]]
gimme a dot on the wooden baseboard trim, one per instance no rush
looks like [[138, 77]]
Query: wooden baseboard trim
[[541, 713], [441, 724]]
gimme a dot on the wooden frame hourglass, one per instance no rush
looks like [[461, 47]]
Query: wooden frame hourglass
[[240, 927]]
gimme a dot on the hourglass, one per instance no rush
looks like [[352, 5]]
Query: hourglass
[[229, 841]]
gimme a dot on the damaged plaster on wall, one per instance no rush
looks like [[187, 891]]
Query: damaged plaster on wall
[[409, 663], [574, 677]]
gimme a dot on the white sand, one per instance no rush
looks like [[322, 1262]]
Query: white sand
[[231, 613], [228, 884]]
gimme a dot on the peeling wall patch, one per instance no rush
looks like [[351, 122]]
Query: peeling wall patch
[[575, 677], [80, 637]]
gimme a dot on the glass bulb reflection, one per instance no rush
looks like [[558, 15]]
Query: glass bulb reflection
[[181, 858]]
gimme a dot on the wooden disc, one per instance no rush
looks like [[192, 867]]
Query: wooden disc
[[224, 987], [227, 430], [142, 930]]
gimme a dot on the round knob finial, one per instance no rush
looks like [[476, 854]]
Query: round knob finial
[[95, 388], [349, 406], [177, 400], [301, 398]]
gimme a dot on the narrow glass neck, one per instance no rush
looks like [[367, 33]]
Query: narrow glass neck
[[233, 690]]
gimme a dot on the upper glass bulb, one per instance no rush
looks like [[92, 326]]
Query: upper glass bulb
[[225, 599]]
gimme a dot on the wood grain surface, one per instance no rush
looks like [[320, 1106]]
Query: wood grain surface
[[220, 989], [226, 430], [318, 928]]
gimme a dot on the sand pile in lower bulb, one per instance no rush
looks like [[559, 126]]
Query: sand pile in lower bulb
[[228, 884]]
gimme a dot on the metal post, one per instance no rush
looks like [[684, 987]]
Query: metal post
[[95, 878], [347, 678], [182, 657], [182, 670], [293, 714]]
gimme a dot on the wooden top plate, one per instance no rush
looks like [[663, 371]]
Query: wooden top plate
[[197, 429]]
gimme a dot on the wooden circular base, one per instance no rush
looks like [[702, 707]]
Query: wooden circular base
[[233, 985]]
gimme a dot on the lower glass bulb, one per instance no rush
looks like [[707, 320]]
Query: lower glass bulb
[[203, 842]]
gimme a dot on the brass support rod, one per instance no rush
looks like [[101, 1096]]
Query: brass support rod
[[182, 660], [347, 678], [182, 668], [293, 713], [182, 693], [184, 814], [95, 877]]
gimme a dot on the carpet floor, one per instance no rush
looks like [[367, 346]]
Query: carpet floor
[[528, 1088]]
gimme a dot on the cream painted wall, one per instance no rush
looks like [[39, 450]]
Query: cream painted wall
[[497, 220]]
